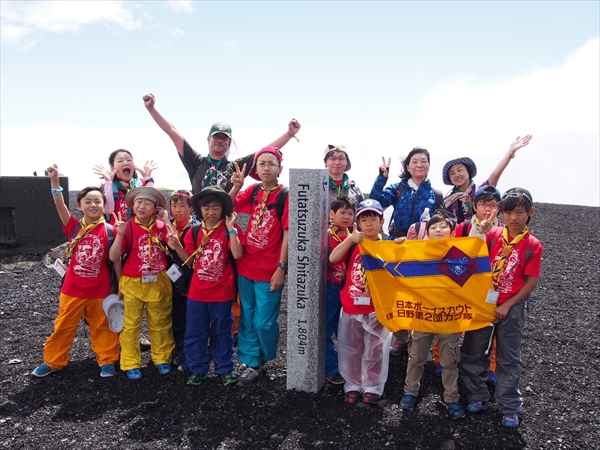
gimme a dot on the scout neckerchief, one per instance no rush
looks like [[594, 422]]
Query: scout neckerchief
[[180, 233], [211, 172], [85, 229], [263, 206], [364, 274], [507, 248], [334, 235], [151, 237], [205, 237], [341, 186], [475, 225]]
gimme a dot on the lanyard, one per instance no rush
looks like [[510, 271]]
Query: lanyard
[[211, 172]]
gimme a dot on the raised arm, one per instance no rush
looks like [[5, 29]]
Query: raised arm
[[163, 123], [385, 196], [514, 146], [108, 175], [59, 201], [293, 128]]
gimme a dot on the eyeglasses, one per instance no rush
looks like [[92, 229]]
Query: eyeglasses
[[220, 137], [270, 165], [334, 159], [487, 205]]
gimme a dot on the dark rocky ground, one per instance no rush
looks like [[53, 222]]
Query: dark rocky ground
[[75, 408]]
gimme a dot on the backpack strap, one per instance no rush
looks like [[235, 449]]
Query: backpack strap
[[439, 200], [129, 237], [465, 230], [398, 194], [348, 258]]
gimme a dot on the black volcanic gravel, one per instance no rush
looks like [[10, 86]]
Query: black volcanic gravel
[[75, 408]]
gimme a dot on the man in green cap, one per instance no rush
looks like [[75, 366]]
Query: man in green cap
[[214, 169]]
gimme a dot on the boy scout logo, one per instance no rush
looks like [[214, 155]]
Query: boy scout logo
[[221, 127], [458, 266]]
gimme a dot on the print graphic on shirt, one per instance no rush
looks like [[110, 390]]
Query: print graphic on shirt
[[121, 207], [260, 237], [219, 179], [156, 263], [339, 271], [88, 256], [508, 271], [356, 280], [210, 263]]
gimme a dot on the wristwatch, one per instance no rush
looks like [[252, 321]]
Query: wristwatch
[[283, 266]]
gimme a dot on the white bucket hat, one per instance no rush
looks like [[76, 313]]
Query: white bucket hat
[[114, 308]]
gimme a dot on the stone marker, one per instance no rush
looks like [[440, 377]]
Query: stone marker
[[307, 266]]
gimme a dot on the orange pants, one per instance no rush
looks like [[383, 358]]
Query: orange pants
[[70, 310], [235, 309], [436, 354]]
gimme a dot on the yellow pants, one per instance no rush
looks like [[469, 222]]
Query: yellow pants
[[158, 299], [70, 310]]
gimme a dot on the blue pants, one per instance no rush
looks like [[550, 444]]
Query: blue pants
[[179, 321], [206, 319], [334, 305], [258, 331]]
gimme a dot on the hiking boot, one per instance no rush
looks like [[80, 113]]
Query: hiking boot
[[456, 412], [439, 369], [370, 398], [492, 378], [196, 379], [397, 348], [229, 378], [42, 370], [249, 375], [164, 369], [336, 378], [107, 370], [510, 420], [408, 402], [352, 397], [134, 374]]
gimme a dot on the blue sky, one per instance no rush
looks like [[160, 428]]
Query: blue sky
[[459, 78]]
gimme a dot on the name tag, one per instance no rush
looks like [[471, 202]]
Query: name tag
[[492, 297], [60, 267], [362, 299], [174, 273], [149, 277]]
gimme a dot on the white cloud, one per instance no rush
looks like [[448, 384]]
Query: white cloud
[[22, 20], [180, 6], [176, 32]]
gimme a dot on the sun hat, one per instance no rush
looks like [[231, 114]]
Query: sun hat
[[487, 190], [148, 193], [114, 308], [269, 149], [220, 127], [467, 162], [338, 148], [369, 205], [212, 190]]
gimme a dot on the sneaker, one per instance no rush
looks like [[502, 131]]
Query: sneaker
[[510, 420], [249, 375], [397, 348], [177, 361], [475, 406], [492, 378], [134, 374], [229, 378], [456, 412], [408, 402], [107, 370], [164, 369], [370, 398], [144, 344], [42, 370], [352, 397], [336, 378], [438, 369], [196, 379]]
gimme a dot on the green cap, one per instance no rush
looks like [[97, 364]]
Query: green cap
[[220, 127]]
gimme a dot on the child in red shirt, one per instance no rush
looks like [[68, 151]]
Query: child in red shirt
[[144, 282], [86, 284]]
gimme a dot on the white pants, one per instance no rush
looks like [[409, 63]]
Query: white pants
[[363, 352]]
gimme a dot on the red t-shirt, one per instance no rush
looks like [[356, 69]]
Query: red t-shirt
[[352, 292], [515, 270], [263, 246], [212, 280], [87, 275], [339, 268], [138, 261]]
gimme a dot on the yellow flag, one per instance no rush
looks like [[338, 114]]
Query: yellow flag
[[435, 286]]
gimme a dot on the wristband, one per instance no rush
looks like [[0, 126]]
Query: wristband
[[283, 266], [510, 156], [234, 231], [57, 191], [149, 180]]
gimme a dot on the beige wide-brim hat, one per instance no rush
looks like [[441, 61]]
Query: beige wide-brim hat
[[338, 148], [114, 308], [148, 193]]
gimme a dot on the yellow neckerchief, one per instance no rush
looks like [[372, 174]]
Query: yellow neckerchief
[[334, 235], [180, 233], [205, 237], [507, 248], [151, 237], [263, 206], [85, 229], [363, 273]]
